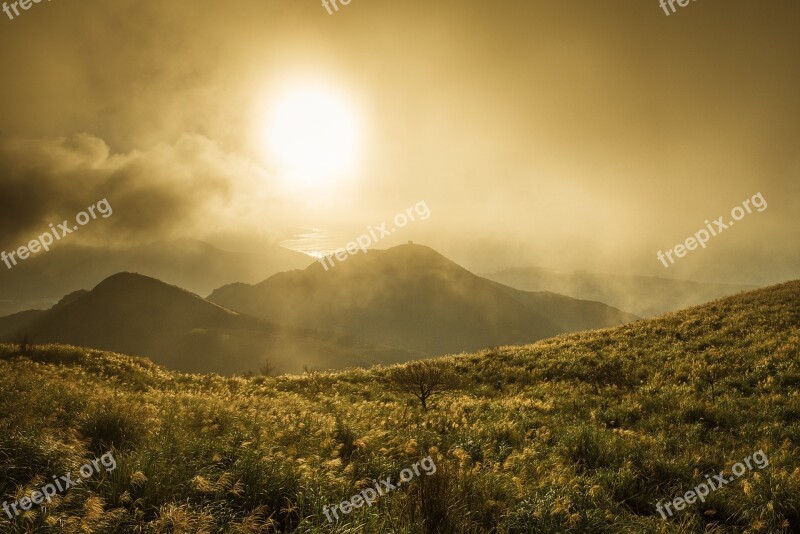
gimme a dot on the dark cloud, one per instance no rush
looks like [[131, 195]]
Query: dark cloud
[[191, 188]]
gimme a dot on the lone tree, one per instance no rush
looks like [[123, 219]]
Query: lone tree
[[266, 369], [711, 369], [317, 380], [24, 341], [423, 379]]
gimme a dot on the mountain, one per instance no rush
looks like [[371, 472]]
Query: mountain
[[413, 297], [197, 266], [587, 432], [135, 314], [16, 322], [645, 296], [568, 313]]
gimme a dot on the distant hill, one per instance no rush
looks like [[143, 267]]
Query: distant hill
[[645, 296], [197, 266], [18, 321], [134, 314], [410, 296]]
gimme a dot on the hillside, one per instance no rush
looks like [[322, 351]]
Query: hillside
[[413, 297], [645, 296], [135, 314], [580, 433]]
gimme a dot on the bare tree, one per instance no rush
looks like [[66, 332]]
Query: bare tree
[[24, 341], [266, 369], [423, 379], [710, 369], [317, 380]]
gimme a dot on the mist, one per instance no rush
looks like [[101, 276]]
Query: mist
[[570, 137]]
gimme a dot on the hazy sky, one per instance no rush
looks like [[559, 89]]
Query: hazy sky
[[573, 135]]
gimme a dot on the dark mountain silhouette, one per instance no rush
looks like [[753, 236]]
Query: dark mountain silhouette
[[191, 264], [643, 295], [413, 297], [135, 314], [19, 321]]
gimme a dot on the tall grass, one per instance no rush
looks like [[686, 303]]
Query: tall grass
[[580, 433]]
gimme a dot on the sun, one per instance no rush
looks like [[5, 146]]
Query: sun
[[312, 136]]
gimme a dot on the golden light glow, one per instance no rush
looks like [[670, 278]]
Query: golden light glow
[[312, 136]]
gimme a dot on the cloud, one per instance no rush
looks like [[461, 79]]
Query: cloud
[[191, 188]]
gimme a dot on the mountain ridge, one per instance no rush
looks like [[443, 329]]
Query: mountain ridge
[[136, 314], [195, 265], [412, 296]]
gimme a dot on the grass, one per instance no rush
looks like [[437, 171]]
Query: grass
[[579, 433]]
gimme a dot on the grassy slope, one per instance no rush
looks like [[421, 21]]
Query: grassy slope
[[583, 433]]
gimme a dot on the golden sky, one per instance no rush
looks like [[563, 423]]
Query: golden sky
[[572, 135]]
